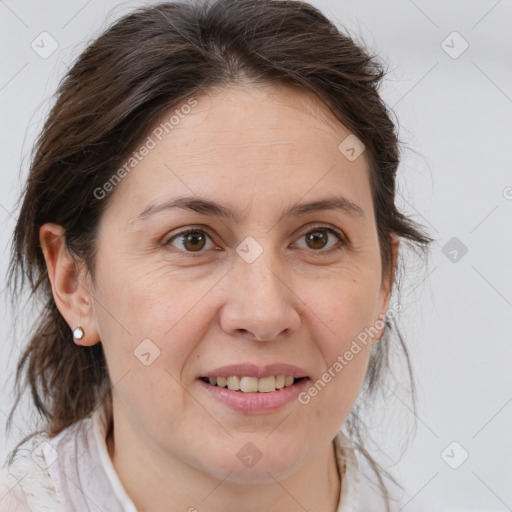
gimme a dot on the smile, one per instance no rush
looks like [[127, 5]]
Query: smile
[[253, 402], [252, 384]]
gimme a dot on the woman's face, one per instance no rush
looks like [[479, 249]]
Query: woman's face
[[264, 285]]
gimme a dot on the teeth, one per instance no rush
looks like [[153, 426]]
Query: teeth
[[234, 383], [267, 384], [252, 384], [249, 384]]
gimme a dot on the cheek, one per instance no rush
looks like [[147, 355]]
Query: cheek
[[137, 303], [147, 340], [150, 323], [346, 306], [347, 309], [334, 390]]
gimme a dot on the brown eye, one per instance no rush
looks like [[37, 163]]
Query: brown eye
[[318, 238], [192, 240]]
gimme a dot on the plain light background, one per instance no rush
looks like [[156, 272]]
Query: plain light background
[[454, 106]]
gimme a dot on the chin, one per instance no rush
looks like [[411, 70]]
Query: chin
[[251, 465]]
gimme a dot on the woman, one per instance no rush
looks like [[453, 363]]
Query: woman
[[210, 219]]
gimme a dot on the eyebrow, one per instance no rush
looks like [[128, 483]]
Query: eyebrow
[[214, 209]]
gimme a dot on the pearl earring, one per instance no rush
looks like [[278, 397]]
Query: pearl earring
[[78, 333]]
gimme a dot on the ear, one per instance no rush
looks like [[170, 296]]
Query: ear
[[387, 285], [71, 287]]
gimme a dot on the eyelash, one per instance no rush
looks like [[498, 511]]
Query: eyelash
[[343, 241]]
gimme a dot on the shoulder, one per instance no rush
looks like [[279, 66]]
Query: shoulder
[[30, 481], [12, 498]]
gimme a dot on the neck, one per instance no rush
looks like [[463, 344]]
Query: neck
[[156, 481]]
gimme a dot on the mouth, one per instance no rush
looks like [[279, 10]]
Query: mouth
[[250, 389], [249, 384]]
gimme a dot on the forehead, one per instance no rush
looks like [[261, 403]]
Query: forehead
[[250, 143]]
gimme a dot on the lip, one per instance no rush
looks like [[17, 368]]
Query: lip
[[251, 370], [255, 403]]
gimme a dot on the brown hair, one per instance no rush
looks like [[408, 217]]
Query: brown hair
[[144, 64]]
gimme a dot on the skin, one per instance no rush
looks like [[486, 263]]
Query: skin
[[257, 150]]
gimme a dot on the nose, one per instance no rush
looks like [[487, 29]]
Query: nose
[[260, 305]]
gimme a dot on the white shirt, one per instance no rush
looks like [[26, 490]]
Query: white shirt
[[73, 472]]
